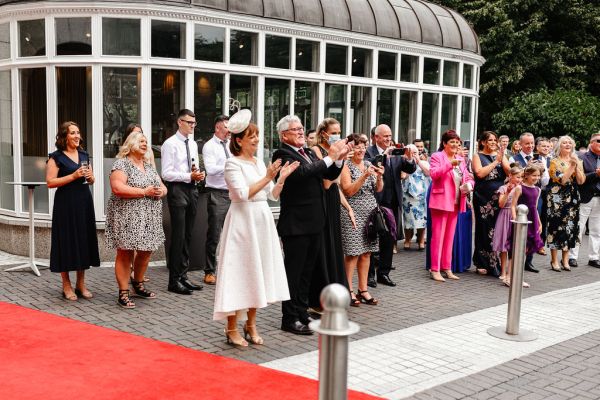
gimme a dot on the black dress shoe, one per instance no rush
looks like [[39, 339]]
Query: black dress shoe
[[308, 320], [178, 288], [385, 280], [297, 328], [531, 268], [188, 284], [594, 263], [371, 282], [573, 263]]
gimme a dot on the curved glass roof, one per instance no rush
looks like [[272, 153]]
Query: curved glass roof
[[413, 20]]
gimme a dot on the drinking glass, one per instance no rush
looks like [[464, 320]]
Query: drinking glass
[[85, 164]]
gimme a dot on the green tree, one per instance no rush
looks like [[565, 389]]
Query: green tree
[[551, 113], [531, 45]]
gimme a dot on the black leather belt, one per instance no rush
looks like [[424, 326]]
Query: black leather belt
[[211, 189]]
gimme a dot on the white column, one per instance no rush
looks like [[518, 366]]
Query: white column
[[97, 131]]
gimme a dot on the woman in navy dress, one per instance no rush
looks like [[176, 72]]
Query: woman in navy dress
[[74, 241]]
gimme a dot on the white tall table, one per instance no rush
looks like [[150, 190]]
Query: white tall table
[[31, 263]]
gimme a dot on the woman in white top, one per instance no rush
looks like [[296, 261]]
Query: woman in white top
[[251, 270]]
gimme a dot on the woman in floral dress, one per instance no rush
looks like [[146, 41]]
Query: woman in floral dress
[[489, 167], [566, 172]]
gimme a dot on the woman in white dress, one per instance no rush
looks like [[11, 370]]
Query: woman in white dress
[[250, 261]]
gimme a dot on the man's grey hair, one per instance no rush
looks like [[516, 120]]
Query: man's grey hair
[[380, 128], [503, 137], [525, 134], [284, 123], [594, 135]]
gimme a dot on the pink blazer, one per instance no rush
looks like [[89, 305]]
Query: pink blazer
[[443, 189]]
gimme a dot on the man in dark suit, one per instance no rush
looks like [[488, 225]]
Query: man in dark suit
[[302, 216], [390, 196], [589, 210]]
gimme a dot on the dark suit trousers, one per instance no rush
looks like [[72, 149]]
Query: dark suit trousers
[[386, 250], [301, 253], [183, 201], [217, 206]]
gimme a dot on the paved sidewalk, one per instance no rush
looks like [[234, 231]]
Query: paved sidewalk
[[418, 304]]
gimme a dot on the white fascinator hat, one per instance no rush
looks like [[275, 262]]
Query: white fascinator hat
[[239, 121]]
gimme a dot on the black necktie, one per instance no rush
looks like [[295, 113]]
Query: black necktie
[[224, 148], [187, 151], [527, 158]]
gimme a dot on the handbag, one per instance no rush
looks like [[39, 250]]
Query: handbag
[[376, 224]]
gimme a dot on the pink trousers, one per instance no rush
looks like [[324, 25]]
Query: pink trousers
[[443, 226]]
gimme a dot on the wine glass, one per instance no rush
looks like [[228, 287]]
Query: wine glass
[[85, 164]]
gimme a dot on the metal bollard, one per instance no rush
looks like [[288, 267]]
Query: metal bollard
[[519, 247], [334, 329]]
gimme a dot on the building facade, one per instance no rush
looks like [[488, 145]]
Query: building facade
[[408, 63]]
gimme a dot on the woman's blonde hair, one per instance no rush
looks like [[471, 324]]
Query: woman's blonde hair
[[132, 143], [562, 139]]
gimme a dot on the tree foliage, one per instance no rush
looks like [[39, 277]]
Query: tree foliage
[[531, 45], [551, 113]]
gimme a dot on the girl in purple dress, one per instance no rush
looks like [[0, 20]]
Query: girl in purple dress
[[503, 230], [527, 193]]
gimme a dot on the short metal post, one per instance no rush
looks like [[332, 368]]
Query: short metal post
[[519, 248], [334, 329]]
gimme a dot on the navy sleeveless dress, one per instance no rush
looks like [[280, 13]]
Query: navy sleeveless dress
[[74, 241]]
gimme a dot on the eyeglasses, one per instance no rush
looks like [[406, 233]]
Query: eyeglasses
[[190, 123], [295, 130]]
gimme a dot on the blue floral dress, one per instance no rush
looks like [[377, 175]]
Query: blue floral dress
[[414, 201]]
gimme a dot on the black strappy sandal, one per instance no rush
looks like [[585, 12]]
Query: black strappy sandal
[[124, 300], [372, 301], [354, 302], [141, 291]]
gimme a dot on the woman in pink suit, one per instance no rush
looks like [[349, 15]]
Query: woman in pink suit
[[450, 183]]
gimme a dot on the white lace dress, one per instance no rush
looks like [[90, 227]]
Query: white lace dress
[[250, 271]]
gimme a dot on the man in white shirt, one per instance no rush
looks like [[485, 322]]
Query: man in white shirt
[[179, 155], [543, 147], [215, 152]]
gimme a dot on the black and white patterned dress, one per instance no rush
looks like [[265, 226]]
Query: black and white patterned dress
[[354, 241], [134, 224]]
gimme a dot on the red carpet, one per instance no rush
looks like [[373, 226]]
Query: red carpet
[[44, 356]]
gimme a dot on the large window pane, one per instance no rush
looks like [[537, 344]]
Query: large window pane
[[468, 76], [121, 107], [7, 173], [277, 51], [277, 106], [431, 71], [168, 39], [34, 130], [335, 103], [306, 98], [409, 68], [208, 103], [407, 126], [450, 73], [208, 43], [4, 41], [386, 65], [120, 37], [73, 36], [242, 92], [307, 55], [465, 118], [32, 38], [449, 104], [361, 62], [429, 121], [167, 99], [74, 100], [385, 107], [243, 48], [335, 60]]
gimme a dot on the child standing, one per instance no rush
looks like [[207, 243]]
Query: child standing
[[503, 230], [528, 194]]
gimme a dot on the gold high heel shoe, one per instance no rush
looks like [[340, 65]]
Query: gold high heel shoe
[[236, 342], [450, 275], [436, 276], [253, 339]]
